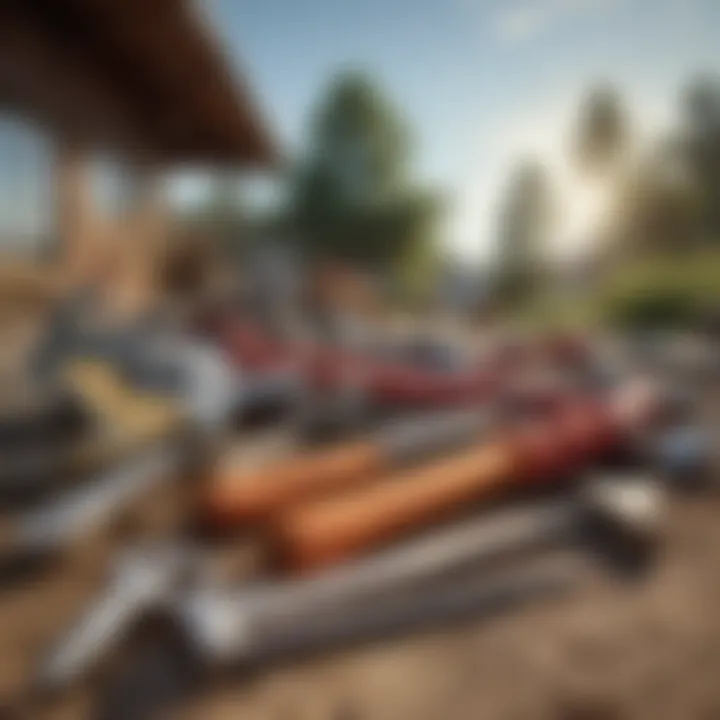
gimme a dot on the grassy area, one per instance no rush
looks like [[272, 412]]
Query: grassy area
[[663, 292], [660, 292]]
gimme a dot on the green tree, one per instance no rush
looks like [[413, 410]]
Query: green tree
[[352, 196], [701, 142], [602, 131], [525, 223], [657, 205]]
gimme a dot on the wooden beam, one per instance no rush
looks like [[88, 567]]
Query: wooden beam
[[125, 42], [45, 81], [128, 73], [190, 92]]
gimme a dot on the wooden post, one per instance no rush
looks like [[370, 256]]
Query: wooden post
[[76, 219], [144, 232]]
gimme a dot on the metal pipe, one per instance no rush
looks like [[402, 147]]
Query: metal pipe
[[48, 528], [264, 618], [222, 629]]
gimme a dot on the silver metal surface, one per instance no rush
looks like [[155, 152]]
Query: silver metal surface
[[406, 440], [241, 630], [80, 509], [265, 616], [141, 579], [415, 582]]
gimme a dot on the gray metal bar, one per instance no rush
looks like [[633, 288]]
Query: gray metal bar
[[224, 624], [265, 615], [246, 621], [57, 522], [406, 440], [256, 640], [374, 594]]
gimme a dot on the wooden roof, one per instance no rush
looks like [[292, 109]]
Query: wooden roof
[[141, 76]]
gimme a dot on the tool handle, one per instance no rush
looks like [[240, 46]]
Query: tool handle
[[241, 498], [333, 529], [234, 499]]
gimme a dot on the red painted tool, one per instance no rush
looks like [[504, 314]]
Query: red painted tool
[[384, 381]]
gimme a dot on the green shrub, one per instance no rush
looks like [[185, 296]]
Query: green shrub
[[663, 293]]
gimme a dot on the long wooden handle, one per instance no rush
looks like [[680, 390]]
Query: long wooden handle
[[234, 499], [237, 498], [334, 529]]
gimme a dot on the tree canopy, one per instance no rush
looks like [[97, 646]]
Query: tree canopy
[[525, 222], [603, 129], [700, 138], [352, 196]]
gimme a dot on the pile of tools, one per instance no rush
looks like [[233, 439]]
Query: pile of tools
[[420, 518]]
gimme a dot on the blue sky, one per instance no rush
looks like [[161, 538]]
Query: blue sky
[[483, 82]]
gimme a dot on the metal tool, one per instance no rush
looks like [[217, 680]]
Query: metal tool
[[268, 623], [142, 578], [47, 529], [623, 516], [160, 666], [262, 619], [682, 454], [38, 442], [33, 474]]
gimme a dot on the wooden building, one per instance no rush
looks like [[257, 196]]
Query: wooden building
[[141, 81]]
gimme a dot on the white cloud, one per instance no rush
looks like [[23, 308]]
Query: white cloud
[[524, 19]]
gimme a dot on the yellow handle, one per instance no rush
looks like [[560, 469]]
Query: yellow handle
[[118, 408]]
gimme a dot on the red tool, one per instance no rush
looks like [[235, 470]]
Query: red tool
[[326, 368]]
